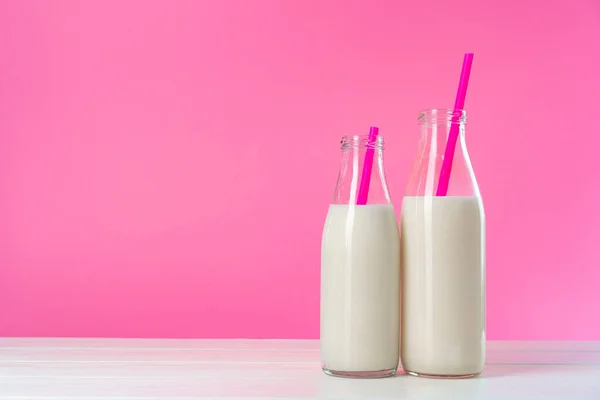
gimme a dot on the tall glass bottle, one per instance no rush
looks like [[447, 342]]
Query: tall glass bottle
[[360, 270], [443, 258]]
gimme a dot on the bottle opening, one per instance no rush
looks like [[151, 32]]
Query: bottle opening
[[361, 142], [442, 116]]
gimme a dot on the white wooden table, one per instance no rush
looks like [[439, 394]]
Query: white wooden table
[[274, 369]]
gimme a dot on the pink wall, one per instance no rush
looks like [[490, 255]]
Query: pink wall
[[165, 167]]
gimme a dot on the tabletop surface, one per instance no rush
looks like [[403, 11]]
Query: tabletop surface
[[274, 369]]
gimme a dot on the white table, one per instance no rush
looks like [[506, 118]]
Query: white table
[[267, 369]]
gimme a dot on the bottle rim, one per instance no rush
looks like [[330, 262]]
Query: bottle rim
[[442, 115], [361, 142]]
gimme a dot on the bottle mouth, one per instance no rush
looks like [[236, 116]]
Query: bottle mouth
[[361, 142], [442, 116]]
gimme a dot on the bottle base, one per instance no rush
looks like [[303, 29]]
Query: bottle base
[[361, 374], [437, 376]]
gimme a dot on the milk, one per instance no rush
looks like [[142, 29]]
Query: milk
[[443, 285], [360, 290]]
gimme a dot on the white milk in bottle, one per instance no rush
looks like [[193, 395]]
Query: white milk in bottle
[[360, 271], [442, 259]]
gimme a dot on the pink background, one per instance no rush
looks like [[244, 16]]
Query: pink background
[[166, 166]]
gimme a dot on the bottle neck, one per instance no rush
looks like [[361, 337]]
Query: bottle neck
[[361, 179], [435, 137], [440, 130]]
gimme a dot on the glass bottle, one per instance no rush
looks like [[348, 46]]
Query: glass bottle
[[360, 270], [442, 258]]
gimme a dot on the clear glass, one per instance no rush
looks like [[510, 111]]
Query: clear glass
[[360, 271], [435, 126], [442, 258], [354, 149]]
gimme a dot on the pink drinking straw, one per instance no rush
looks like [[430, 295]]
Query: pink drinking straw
[[459, 104], [365, 181]]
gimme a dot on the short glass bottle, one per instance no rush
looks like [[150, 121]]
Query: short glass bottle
[[360, 270]]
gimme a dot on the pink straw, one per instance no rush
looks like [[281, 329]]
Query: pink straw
[[459, 104], [365, 181]]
